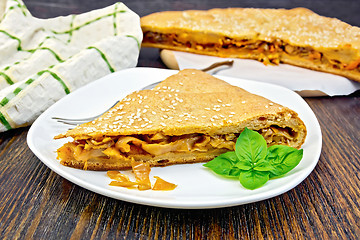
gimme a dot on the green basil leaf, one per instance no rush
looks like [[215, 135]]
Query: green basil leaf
[[224, 165], [283, 159], [253, 179], [244, 165], [250, 146], [234, 172], [263, 166]]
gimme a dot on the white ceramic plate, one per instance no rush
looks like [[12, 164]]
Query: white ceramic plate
[[197, 187]]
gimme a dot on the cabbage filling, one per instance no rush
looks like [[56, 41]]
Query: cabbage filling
[[124, 147], [266, 52]]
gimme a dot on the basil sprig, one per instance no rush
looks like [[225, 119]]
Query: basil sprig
[[253, 163]]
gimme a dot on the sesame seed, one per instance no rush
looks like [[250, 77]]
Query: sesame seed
[[243, 102], [219, 100], [207, 108], [163, 124], [271, 104]]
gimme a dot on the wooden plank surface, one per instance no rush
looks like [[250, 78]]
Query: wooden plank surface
[[36, 203]]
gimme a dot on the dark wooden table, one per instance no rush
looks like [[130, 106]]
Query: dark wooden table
[[36, 203]]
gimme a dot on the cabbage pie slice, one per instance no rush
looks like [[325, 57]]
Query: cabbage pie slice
[[189, 117]]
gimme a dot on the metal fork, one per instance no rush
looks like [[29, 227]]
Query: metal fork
[[77, 121]]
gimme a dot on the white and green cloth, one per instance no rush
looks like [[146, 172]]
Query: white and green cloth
[[42, 60]]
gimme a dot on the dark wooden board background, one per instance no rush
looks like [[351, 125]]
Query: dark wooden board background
[[36, 203]]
